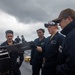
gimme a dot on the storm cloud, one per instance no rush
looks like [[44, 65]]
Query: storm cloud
[[24, 17], [29, 11]]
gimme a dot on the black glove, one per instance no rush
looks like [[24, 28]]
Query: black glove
[[33, 46]]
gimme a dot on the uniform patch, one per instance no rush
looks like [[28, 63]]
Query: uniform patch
[[53, 42], [42, 43], [60, 49]]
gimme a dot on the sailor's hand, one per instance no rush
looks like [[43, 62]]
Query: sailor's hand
[[33, 46]]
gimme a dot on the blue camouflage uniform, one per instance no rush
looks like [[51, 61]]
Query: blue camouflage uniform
[[51, 52], [37, 57]]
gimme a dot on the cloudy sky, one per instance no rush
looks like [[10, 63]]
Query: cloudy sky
[[24, 17]]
